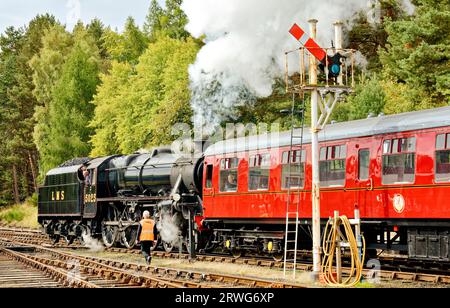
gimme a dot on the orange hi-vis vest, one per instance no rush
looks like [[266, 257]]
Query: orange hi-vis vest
[[147, 226]]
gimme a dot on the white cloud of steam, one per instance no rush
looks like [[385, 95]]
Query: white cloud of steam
[[245, 45], [92, 244], [168, 229]]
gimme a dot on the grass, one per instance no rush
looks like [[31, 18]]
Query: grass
[[22, 215]]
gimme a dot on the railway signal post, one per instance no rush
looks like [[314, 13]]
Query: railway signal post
[[336, 80]]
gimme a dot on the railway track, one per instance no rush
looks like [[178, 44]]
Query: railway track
[[408, 274], [14, 274], [72, 270]]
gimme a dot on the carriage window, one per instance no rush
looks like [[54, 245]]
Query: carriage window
[[229, 174], [443, 158], [259, 172], [209, 175], [332, 166], [399, 161], [293, 170], [364, 162]]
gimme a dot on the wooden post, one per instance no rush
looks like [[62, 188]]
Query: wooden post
[[15, 185]]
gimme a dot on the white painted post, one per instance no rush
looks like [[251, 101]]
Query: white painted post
[[315, 159]]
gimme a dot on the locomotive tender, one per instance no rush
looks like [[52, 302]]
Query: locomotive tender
[[394, 169]]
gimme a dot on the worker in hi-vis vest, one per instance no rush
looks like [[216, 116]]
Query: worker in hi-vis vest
[[146, 236]]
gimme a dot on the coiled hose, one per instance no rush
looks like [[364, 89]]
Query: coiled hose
[[331, 236]]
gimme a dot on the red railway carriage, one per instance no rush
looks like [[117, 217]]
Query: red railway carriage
[[394, 169]]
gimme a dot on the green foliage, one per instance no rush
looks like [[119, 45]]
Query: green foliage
[[128, 46], [418, 54], [32, 200], [71, 111], [369, 98], [170, 21], [17, 150], [13, 215], [136, 109], [108, 101], [370, 36], [47, 66]]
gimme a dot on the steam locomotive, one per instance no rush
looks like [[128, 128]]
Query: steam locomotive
[[233, 196]]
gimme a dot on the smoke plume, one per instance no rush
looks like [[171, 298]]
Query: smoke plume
[[244, 48]]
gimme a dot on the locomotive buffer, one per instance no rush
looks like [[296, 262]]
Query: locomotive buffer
[[336, 80]]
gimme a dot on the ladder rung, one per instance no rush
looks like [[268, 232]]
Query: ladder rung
[[291, 241], [291, 231]]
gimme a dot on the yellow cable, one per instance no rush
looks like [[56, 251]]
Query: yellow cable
[[331, 236]]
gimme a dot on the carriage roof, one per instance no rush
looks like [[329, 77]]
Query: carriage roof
[[418, 120]]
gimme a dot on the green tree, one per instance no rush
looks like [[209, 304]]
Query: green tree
[[174, 106], [70, 109], [154, 19], [47, 67], [418, 54], [368, 36], [128, 46], [141, 105], [170, 21], [18, 148], [10, 44], [108, 101]]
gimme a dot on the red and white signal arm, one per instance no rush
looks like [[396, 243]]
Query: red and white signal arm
[[311, 45]]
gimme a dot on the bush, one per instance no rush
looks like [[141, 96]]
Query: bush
[[33, 200], [13, 215]]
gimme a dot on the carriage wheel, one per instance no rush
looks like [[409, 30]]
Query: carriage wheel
[[278, 257], [237, 253]]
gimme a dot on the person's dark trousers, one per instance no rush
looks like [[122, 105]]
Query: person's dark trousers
[[146, 247]]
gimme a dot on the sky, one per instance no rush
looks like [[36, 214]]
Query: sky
[[111, 12]]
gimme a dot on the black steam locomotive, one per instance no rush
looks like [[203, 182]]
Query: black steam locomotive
[[105, 198]]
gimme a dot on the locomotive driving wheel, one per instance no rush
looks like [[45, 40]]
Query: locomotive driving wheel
[[55, 239], [69, 239], [110, 231], [168, 247], [129, 236]]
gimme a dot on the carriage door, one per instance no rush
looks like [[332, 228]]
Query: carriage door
[[90, 194], [208, 187], [364, 178]]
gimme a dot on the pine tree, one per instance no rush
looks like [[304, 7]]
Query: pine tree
[[154, 20], [418, 54], [170, 21]]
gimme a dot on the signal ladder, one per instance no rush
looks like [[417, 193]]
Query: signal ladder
[[293, 206]]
